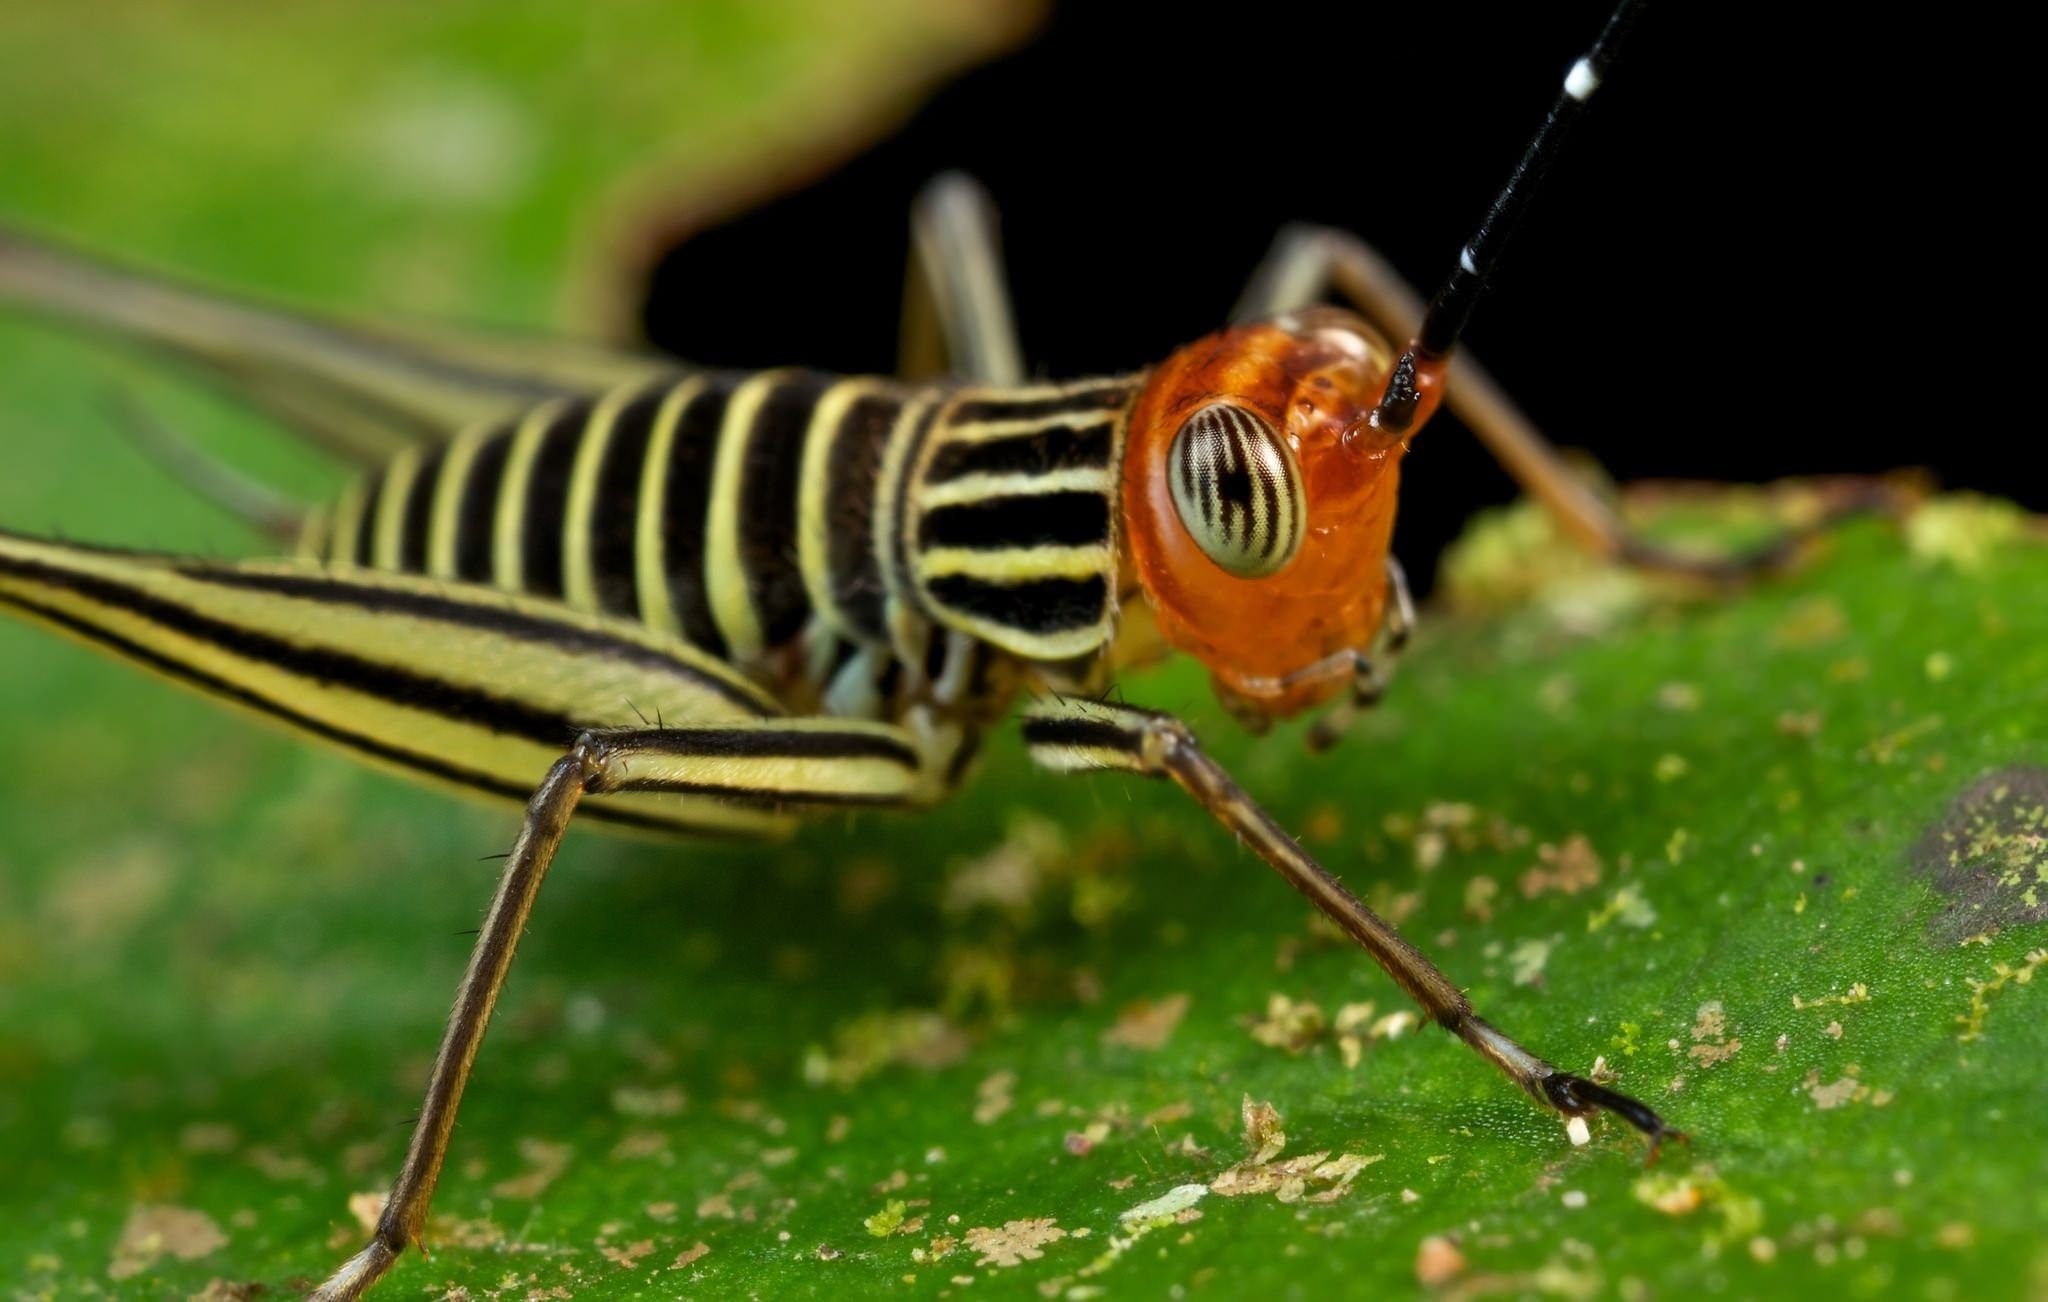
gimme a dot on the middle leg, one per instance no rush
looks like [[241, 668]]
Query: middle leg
[[1082, 735]]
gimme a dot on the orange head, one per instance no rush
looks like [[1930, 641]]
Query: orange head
[[1259, 504]]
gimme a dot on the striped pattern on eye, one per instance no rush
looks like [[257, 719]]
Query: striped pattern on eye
[[1237, 490]]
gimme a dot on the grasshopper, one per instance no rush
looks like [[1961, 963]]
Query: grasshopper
[[823, 590]]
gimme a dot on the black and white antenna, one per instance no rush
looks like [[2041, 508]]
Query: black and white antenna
[[1444, 324]]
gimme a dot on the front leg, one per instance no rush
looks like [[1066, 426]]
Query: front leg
[[1079, 735]]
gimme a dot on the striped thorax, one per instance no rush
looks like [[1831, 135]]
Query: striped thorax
[[853, 544]]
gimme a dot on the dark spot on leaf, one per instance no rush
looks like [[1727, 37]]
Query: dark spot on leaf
[[1988, 855]]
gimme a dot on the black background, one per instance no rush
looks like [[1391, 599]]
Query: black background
[[1745, 266]]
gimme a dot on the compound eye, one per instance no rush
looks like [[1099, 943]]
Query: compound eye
[[1237, 490]]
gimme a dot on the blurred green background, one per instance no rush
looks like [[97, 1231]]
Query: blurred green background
[[1701, 839]]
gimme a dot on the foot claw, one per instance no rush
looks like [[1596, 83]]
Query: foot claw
[[1575, 1096]]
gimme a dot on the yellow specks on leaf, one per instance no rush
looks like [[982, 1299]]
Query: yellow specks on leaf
[[638, 1144], [1627, 906], [1962, 530], [1147, 1024], [894, 1218], [1858, 993], [2002, 975], [1568, 869], [1015, 1242], [1480, 894], [1811, 622], [1671, 767], [155, 1230], [1675, 846], [638, 1101], [208, 1137], [865, 1045], [1679, 697], [1527, 960], [1956, 1235], [994, 1096], [1889, 747]]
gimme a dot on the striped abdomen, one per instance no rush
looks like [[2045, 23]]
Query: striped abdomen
[[749, 512]]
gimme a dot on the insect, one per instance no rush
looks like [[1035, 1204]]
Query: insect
[[821, 590]]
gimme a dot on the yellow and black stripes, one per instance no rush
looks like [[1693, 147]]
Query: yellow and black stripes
[[463, 685], [1008, 520], [1078, 734], [746, 513]]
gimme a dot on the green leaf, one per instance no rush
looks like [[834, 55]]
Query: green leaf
[[1776, 857]]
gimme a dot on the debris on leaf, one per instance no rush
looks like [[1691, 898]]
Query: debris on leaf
[[628, 1256], [1016, 1242], [1568, 869], [638, 1101], [368, 1208], [916, 1037], [1352, 1026], [1711, 1045], [155, 1230], [1145, 1024], [894, 1218], [1480, 893], [1263, 1134], [993, 1097], [1394, 1025], [1962, 530], [1626, 906], [1008, 878], [1171, 1203], [1528, 958], [1742, 1215], [1290, 1024], [1437, 1261], [1836, 1093], [1290, 1179], [546, 1161]]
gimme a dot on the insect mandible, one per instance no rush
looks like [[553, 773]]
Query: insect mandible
[[823, 589]]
